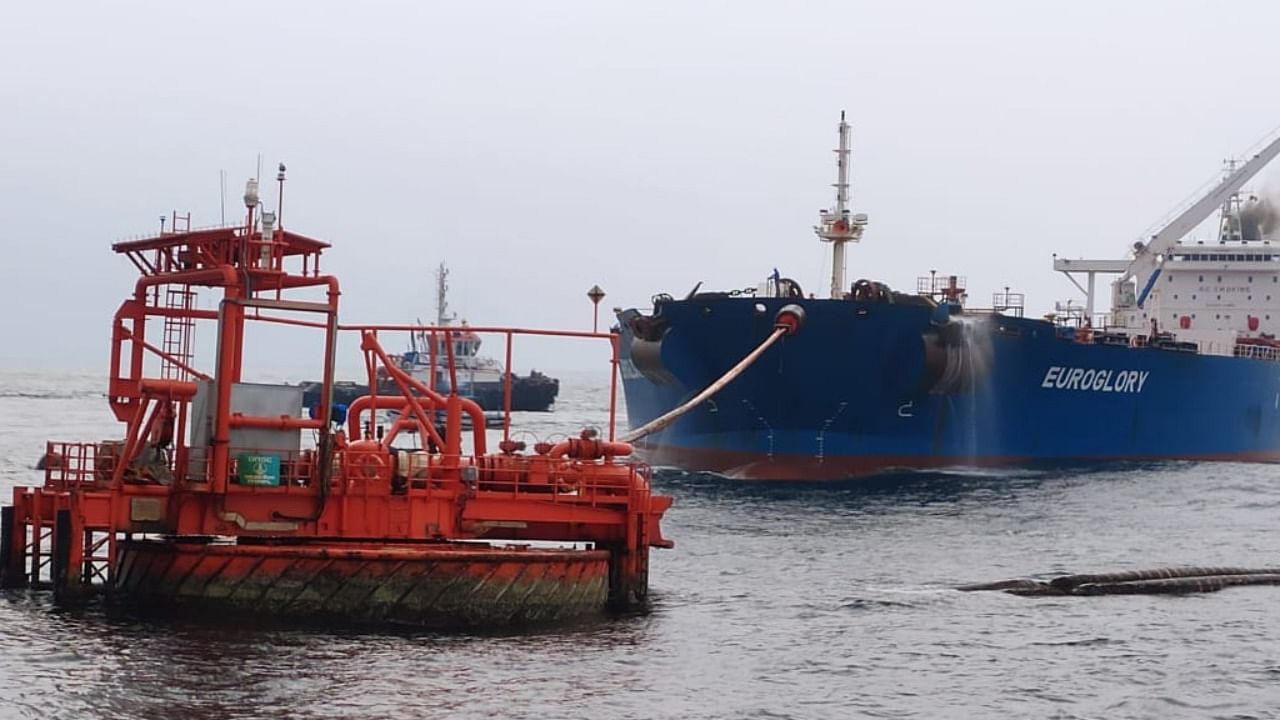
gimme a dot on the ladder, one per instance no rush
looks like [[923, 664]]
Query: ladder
[[176, 340]]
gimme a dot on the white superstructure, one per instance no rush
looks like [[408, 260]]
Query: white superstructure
[[1208, 293]]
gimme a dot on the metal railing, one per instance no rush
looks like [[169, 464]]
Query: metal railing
[[1257, 352]]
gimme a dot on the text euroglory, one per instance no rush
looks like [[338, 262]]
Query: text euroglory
[[1069, 378]]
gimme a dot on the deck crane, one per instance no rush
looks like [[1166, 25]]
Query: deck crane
[[1144, 268]]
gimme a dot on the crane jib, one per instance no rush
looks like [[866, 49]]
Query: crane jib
[[1146, 289]]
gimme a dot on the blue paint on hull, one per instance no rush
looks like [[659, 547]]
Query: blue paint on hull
[[857, 390]]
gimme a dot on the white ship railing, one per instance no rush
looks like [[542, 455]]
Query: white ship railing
[[1259, 352]]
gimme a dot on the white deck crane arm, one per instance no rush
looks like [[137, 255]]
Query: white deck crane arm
[[1145, 256]]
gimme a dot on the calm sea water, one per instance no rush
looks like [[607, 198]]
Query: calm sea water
[[796, 601]]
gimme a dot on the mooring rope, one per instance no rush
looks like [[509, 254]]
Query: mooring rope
[[671, 416]]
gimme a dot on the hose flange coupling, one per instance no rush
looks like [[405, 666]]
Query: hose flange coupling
[[789, 318]]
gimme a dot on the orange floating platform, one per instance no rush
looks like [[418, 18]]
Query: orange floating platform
[[229, 495]]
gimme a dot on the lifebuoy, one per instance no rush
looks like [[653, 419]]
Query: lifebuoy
[[368, 465]]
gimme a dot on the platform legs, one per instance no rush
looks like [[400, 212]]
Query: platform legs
[[13, 547]]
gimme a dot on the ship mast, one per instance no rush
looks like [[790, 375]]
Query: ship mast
[[442, 290], [837, 226]]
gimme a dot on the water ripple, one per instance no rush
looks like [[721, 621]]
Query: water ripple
[[802, 600]]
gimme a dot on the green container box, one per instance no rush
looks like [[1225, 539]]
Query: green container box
[[258, 469]]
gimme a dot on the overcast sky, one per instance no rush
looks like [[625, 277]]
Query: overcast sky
[[542, 147]]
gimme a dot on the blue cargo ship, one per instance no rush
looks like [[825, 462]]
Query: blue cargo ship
[[1184, 366]]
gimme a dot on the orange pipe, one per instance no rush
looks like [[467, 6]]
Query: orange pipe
[[588, 449], [384, 402], [401, 423], [168, 388], [373, 327], [221, 276], [453, 424], [370, 344], [220, 464]]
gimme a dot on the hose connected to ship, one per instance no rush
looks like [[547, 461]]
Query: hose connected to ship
[[1160, 581], [786, 322]]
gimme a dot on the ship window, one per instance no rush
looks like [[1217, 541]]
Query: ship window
[[1193, 296], [1201, 278], [1217, 317], [1250, 278], [1175, 296], [1219, 297], [1219, 280]]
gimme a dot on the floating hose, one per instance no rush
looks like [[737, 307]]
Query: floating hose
[[1160, 581], [786, 322]]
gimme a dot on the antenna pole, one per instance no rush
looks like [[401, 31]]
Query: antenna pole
[[842, 208], [222, 196], [280, 197], [442, 289], [837, 226]]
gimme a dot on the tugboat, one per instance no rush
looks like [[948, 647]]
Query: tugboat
[[479, 378], [774, 383], [224, 496]]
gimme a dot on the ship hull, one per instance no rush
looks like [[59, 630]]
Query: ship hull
[[868, 387]]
